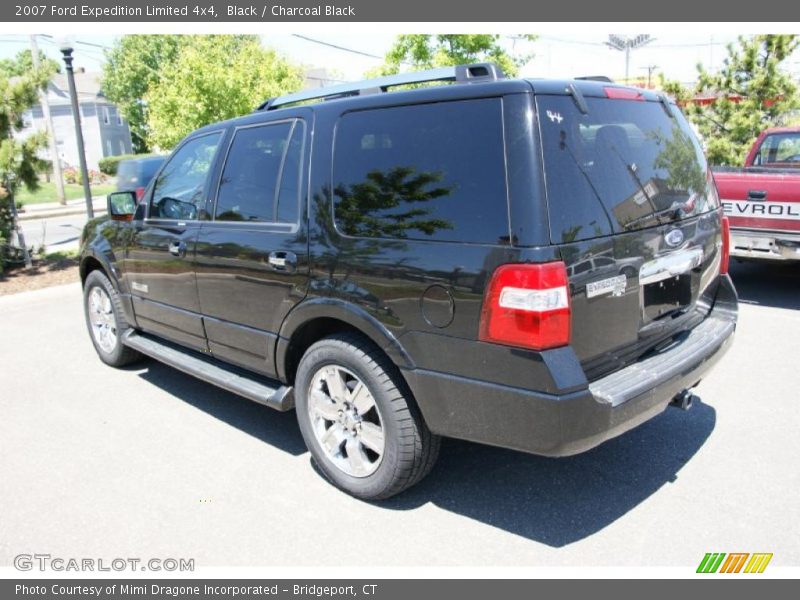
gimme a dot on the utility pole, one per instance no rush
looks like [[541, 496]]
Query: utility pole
[[650, 69], [51, 133], [626, 44]]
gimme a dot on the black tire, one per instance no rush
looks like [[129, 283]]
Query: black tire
[[120, 355], [410, 449]]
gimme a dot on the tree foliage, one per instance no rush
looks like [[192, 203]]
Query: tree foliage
[[213, 78], [22, 63], [19, 162], [425, 51], [751, 94], [132, 67]]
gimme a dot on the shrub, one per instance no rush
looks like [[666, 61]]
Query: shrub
[[109, 164], [73, 175]]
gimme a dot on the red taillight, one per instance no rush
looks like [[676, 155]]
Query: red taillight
[[616, 93], [528, 306], [726, 246], [139, 193]]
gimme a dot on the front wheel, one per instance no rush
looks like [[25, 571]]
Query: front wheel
[[104, 319], [359, 421]]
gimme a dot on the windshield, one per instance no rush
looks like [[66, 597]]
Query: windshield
[[625, 165]]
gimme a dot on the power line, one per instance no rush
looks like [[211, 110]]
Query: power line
[[337, 47]]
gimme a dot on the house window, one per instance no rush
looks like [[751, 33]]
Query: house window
[[119, 117], [106, 116]]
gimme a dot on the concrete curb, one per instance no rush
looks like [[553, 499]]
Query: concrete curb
[[52, 214]]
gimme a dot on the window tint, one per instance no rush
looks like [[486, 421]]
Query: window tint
[[178, 191], [433, 172], [249, 183], [624, 165]]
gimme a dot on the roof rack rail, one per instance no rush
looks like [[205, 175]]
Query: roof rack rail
[[473, 73], [596, 78]]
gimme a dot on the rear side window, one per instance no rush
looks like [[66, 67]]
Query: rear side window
[[624, 165], [149, 168], [260, 179], [430, 172], [125, 172]]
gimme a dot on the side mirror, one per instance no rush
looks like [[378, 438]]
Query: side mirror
[[121, 206]]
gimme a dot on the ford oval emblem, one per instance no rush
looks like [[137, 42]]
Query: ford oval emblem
[[674, 238]]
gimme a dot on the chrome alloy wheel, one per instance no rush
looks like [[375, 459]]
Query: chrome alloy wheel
[[346, 421], [101, 317]]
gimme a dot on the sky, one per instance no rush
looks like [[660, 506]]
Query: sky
[[349, 55]]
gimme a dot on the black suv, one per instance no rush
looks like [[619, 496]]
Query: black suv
[[539, 265]]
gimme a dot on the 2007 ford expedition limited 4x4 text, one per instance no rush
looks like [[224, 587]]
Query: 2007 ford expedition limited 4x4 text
[[539, 265]]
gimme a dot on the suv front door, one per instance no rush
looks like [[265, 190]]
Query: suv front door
[[159, 263], [252, 258]]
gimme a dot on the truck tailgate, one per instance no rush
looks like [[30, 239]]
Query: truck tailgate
[[760, 199]]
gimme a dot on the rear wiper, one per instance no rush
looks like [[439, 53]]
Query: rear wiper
[[591, 185], [674, 208], [632, 172]]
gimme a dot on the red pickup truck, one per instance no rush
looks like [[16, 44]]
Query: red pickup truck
[[762, 200]]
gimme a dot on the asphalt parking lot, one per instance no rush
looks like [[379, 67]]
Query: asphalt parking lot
[[148, 462]]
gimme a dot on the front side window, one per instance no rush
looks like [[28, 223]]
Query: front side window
[[428, 172], [260, 180], [179, 191]]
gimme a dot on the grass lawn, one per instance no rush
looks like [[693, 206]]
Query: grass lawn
[[47, 192]]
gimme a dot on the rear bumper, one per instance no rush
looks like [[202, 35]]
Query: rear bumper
[[765, 245], [570, 423]]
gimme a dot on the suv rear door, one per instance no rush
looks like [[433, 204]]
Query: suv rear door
[[635, 215], [252, 256]]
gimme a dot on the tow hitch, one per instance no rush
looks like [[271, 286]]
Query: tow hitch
[[683, 400]]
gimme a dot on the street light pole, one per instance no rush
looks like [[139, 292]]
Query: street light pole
[[66, 50], [626, 44]]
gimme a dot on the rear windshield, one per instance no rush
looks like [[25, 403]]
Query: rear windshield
[[779, 150], [625, 165]]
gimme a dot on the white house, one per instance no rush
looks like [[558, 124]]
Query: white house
[[105, 131]]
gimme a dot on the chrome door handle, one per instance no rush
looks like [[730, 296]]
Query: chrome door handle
[[283, 261], [177, 249]]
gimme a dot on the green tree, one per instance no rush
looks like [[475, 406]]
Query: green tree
[[752, 93], [424, 51], [22, 63], [214, 77], [19, 162], [133, 66]]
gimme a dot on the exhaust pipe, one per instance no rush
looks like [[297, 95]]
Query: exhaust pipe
[[683, 400]]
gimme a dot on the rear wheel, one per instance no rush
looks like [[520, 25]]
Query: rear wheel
[[359, 421], [104, 320]]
